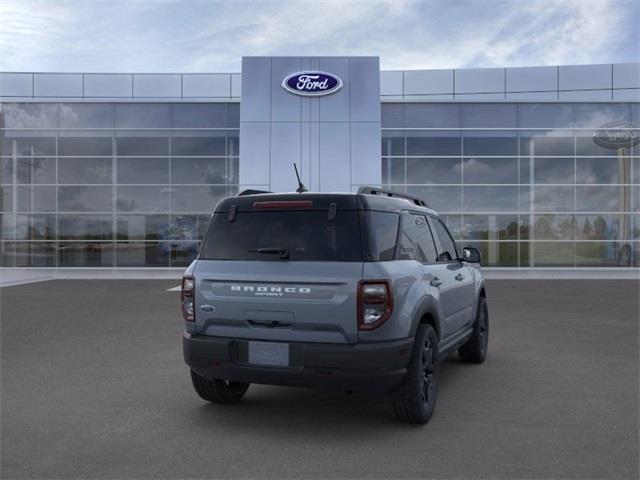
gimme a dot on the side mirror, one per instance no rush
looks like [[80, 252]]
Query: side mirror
[[471, 255]]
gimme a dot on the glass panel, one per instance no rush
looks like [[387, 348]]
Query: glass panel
[[143, 254], [143, 199], [91, 254], [200, 170], [199, 115], [553, 170], [454, 224], [143, 170], [30, 115], [433, 144], [603, 254], [393, 170], [6, 199], [490, 199], [142, 115], [604, 226], [447, 244], [545, 115], [553, 199], [143, 227], [84, 170], [598, 114], [427, 115], [6, 170], [496, 254], [198, 199], [28, 227], [189, 227], [146, 146], [434, 170], [545, 144], [392, 115], [27, 254], [36, 199], [490, 170], [550, 254], [490, 146], [28, 146], [86, 115], [200, 145], [603, 170], [586, 146], [183, 253], [85, 199], [441, 199], [489, 115], [603, 198], [84, 146], [233, 143], [392, 144], [36, 170], [85, 227], [554, 227], [490, 227], [233, 115]]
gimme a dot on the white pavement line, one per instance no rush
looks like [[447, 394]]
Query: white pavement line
[[174, 289], [26, 282]]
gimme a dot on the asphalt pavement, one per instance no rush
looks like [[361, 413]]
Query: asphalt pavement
[[93, 385]]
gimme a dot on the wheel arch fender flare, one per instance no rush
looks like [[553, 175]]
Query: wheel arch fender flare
[[427, 308]]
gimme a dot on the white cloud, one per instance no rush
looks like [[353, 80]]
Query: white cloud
[[195, 35]]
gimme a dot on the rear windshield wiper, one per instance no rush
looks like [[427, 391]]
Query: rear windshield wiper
[[283, 252]]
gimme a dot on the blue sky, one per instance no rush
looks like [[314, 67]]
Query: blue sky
[[212, 36]]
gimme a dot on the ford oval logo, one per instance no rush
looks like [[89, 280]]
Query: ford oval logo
[[616, 135], [312, 84]]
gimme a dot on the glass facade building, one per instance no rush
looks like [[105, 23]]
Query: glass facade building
[[523, 182], [113, 184], [108, 182]]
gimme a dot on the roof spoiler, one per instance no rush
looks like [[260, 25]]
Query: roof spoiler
[[390, 193], [251, 191]]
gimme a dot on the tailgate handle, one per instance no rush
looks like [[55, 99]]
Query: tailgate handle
[[269, 323]]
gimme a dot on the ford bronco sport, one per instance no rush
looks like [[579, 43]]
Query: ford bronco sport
[[363, 291]]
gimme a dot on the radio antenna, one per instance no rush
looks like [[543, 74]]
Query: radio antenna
[[301, 188]]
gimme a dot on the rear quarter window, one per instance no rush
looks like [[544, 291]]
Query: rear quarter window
[[382, 230]]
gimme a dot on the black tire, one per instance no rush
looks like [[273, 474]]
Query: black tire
[[475, 350], [218, 391], [415, 400]]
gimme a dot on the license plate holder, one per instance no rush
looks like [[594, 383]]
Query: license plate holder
[[271, 354]]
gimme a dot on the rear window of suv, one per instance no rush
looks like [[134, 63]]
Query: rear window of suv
[[284, 235]]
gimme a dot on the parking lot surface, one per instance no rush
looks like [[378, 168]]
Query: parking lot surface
[[93, 386]]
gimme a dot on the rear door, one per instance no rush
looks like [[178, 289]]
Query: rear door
[[282, 275]]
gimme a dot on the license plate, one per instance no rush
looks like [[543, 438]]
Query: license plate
[[269, 353]]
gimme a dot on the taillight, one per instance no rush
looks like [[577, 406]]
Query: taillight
[[375, 303], [186, 298]]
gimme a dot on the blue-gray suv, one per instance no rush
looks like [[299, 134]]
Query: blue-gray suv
[[351, 291]]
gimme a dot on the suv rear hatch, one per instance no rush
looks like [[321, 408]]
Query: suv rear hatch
[[281, 267]]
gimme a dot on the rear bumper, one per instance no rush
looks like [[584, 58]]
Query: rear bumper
[[377, 366]]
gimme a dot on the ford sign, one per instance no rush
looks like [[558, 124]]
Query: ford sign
[[312, 84], [617, 135]]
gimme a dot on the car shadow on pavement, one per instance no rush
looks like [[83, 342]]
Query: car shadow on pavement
[[306, 411]]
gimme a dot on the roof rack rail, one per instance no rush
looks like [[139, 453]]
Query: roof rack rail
[[390, 193], [251, 191]]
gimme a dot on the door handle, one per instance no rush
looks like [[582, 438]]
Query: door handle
[[459, 277], [435, 282]]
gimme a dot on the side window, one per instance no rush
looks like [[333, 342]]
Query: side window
[[447, 244], [383, 231], [416, 242]]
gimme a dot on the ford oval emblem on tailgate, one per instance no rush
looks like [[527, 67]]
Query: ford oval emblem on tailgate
[[312, 84]]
